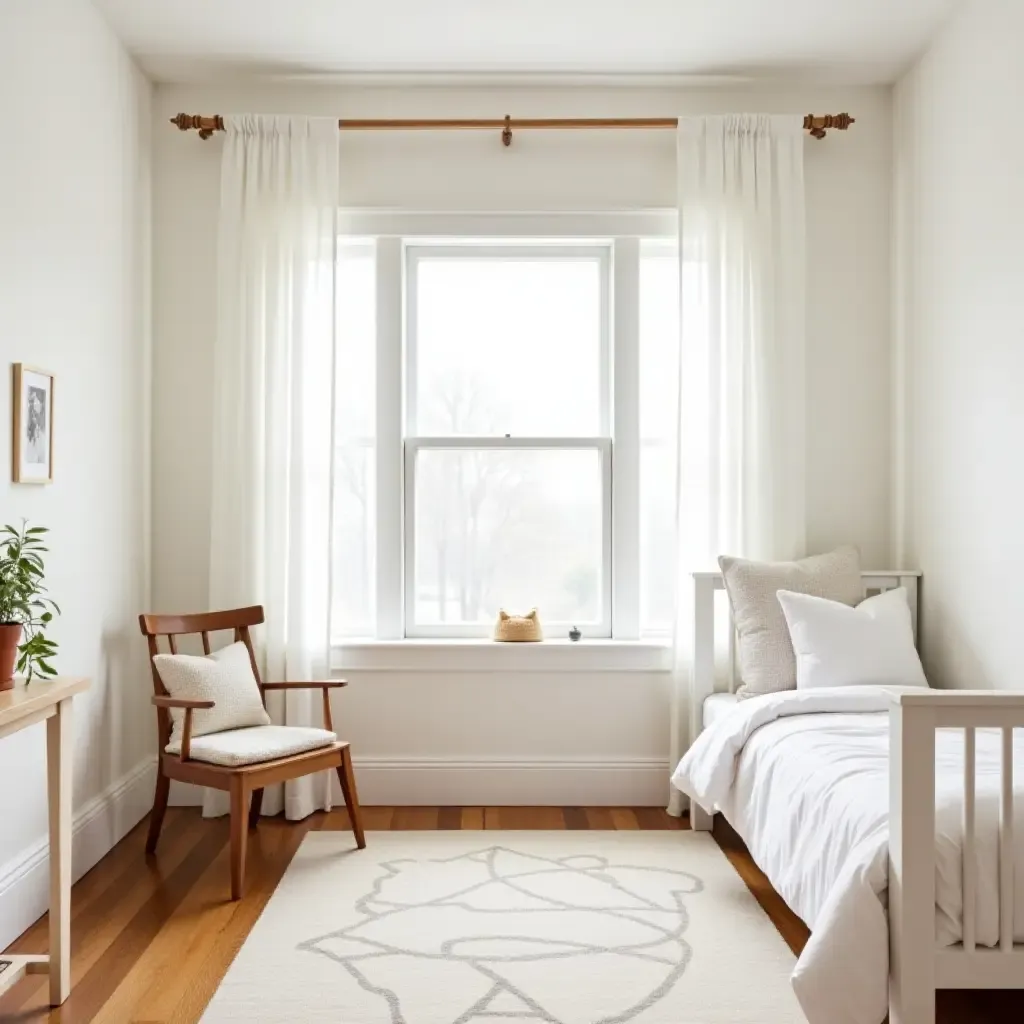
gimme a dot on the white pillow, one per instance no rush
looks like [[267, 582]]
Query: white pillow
[[835, 645], [225, 677]]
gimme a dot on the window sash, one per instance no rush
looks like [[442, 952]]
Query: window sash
[[413, 446], [553, 250]]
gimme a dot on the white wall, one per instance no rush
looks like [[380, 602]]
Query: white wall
[[74, 298], [402, 721], [960, 330]]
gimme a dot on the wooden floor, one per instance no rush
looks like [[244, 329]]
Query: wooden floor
[[153, 938]]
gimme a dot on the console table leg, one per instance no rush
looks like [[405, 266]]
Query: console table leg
[[58, 763]]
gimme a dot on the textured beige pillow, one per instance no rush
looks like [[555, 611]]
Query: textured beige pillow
[[767, 661], [225, 677]]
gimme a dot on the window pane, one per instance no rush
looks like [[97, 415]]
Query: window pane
[[354, 539], [659, 369], [508, 529], [508, 346]]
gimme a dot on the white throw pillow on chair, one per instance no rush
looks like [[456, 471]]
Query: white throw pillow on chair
[[225, 677], [836, 645]]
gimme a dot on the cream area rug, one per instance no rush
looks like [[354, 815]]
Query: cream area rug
[[510, 928]]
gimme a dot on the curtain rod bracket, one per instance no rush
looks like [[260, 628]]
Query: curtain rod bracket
[[506, 132]]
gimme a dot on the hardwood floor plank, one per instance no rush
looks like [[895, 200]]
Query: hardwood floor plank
[[575, 818], [472, 818], [657, 819], [492, 817], [336, 820], [449, 818], [599, 818], [624, 818], [378, 819], [414, 819], [530, 818]]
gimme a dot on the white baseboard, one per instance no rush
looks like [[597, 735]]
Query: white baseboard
[[509, 782], [499, 782], [96, 829]]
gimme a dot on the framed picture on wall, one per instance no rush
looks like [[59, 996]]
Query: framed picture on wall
[[33, 425]]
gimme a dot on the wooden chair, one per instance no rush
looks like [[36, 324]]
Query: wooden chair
[[246, 780]]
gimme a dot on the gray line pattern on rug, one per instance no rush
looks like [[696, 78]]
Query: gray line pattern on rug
[[666, 923]]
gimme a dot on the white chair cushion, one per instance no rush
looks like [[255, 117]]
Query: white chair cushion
[[251, 746], [225, 677]]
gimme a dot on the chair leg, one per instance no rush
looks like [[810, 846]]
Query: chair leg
[[239, 835], [255, 807], [156, 816], [348, 788]]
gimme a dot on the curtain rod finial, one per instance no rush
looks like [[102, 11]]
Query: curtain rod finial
[[818, 126]]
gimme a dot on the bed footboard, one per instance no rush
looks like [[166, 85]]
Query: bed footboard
[[917, 966]]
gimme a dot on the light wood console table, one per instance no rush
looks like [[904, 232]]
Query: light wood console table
[[48, 701]]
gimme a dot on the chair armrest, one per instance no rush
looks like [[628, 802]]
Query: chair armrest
[[180, 702], [188, 706], [323, 684]]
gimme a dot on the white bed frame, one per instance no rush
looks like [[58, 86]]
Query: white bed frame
[[917, 967]]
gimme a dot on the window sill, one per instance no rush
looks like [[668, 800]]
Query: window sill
[[479, 655]]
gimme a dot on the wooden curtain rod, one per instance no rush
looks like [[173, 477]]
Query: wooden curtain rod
[[206, 126]]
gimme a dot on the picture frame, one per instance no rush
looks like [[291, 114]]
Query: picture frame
[[32, 404]]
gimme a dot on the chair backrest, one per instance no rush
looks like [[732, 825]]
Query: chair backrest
[[238, 620]]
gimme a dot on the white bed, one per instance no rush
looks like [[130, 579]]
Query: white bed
[[804, 778]]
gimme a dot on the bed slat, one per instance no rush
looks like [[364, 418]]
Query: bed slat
[[1006, 870], [970, 865]]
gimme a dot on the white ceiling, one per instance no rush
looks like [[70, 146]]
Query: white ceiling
[[849, 41]]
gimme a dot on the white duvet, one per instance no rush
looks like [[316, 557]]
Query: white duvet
[[804, 777]]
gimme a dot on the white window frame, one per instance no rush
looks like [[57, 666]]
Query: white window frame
[[619, 235]]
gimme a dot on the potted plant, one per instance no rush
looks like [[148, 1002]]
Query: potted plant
[[25, 610]]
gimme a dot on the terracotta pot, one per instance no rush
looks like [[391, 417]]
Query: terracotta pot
[[10, 637]]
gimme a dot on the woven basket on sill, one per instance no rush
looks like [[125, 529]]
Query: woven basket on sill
[[518, 628]]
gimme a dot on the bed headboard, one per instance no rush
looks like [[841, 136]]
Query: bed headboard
[[707, 584]]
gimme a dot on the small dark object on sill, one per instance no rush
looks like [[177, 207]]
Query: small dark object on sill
[[574, 634]]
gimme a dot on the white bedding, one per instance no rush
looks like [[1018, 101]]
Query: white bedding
[[803, 777]]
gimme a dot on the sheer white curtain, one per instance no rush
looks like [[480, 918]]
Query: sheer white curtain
[[273, 408], [741, 393]]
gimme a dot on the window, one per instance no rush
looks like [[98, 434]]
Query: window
[[505, 409]]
